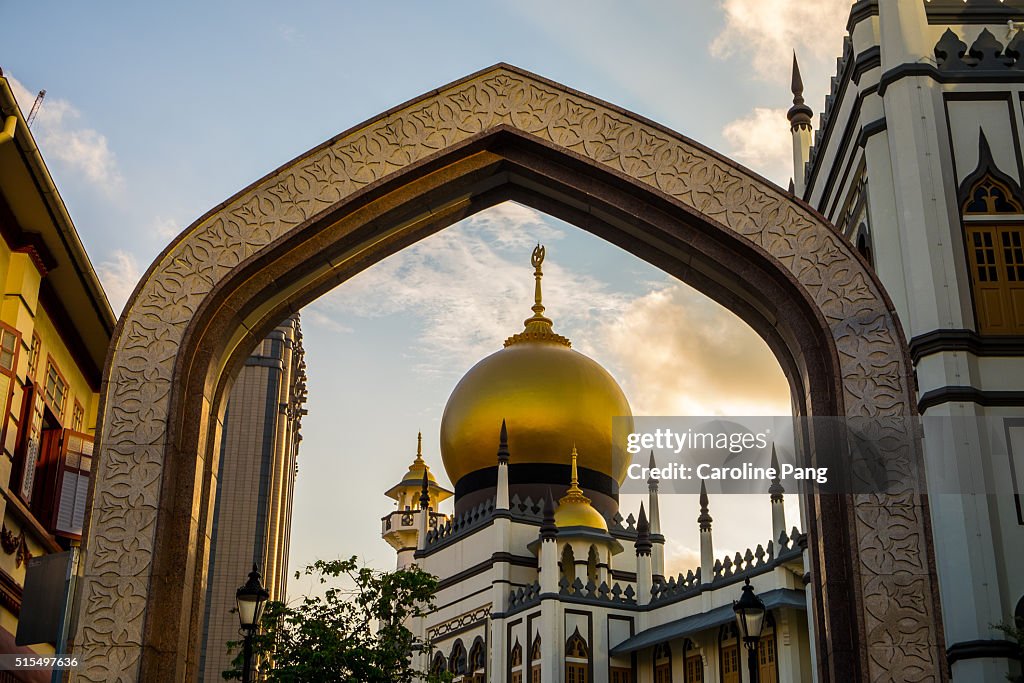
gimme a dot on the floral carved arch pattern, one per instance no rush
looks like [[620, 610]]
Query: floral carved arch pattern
[[139, 596]]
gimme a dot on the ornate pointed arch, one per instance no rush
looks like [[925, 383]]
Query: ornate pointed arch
[[496, 135], [987, 189]]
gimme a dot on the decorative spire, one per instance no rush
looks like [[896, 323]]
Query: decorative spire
[[425, 493], [503, 453], [537, 327], [548, 529], [419, 449], [643, 534], [575, 493], [704, 519], [652, 481], [799, 114], [776, 488]]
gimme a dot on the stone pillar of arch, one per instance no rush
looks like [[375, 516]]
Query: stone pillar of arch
[[496, 135]]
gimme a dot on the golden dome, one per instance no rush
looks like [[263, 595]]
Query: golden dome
[[550, 397], [574, 508]]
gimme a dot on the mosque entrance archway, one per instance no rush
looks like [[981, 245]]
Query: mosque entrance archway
[[500, 134]]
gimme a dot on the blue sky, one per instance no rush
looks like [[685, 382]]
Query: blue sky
[[156, 113]]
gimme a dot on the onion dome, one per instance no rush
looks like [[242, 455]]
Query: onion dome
[[574, 508], [550, 396]]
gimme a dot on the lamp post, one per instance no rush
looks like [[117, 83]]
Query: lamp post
[[250, 598], [750, 620]]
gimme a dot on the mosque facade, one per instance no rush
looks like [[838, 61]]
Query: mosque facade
[[542, 576]]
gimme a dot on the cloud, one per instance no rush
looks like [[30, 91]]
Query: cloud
[[767, 31], [166, 228], [60, 136], [763, 142], [471, 288], [119, 275], [682, 354]]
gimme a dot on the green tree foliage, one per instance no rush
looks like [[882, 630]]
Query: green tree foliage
[[355, 635], [1015, 631]]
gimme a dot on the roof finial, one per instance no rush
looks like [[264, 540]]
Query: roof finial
[[419, 449], [425, 493], [797, 83], [574, 492], [643, 534], [799, 114], [776, 489], [652, 481], [574, 482], [537, 327], [536, 259], [704, 519], [503, 453]]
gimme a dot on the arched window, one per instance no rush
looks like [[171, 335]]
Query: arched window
[[592, 562], [438, 666], [863, 244], [693, 668], [568, 564], [477, 662], [729, 654], [516, 662], [577, 659], [457, 661], [767, 653], [535, 655], [662, 663], [993, 220]]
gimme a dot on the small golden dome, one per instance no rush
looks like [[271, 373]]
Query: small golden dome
[[574, 508], [548, 394], [414, 476]]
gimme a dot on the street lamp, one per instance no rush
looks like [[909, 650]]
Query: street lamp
[[250, 599], [750, 620]]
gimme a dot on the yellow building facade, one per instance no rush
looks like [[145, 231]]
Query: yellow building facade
[[55, 326]]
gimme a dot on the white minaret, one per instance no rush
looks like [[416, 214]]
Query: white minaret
[[778, 509], [657, 540], [501, 496], [799, 116], [707, 548], [644, 573]]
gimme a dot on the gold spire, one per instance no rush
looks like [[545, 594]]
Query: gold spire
[[574, 492], [419, 449], [537, 327], [574, 508]]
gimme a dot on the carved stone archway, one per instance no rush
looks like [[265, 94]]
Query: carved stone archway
[[496, 135]]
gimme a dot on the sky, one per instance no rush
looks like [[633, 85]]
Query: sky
[[155, 113]]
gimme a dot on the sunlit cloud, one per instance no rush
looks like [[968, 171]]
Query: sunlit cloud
[[766, 32], [62, 138], [683, 354], [763, 142], [119, 274]]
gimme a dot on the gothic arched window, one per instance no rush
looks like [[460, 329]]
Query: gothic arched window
[[457, 660], [438, 665], [568, 564], [577, 659], [535, 655], [662, 663], [516, 662], [993, 222], [477, 662]]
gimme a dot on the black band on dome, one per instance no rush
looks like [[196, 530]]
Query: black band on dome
[[538, 474]]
